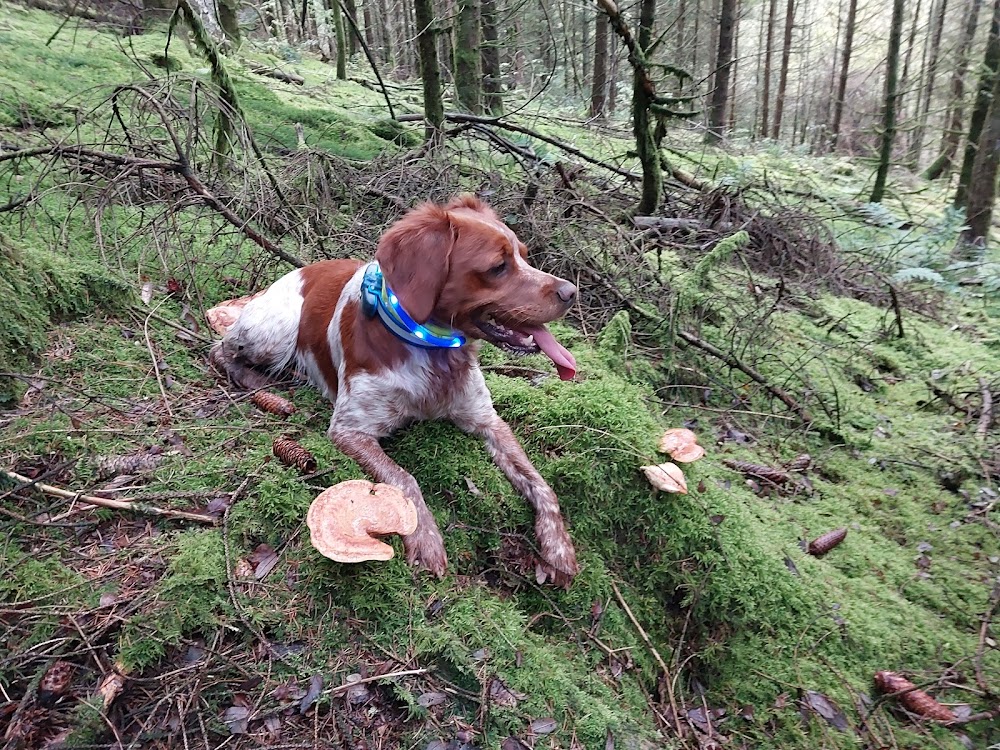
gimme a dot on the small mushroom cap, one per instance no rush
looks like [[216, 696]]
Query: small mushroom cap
[[344, 519], [681, 444], [222, 317], [666, 477]]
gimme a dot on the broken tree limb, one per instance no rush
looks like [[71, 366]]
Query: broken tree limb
[[459, 117], [103, 502], [278, 75], [730, 360]]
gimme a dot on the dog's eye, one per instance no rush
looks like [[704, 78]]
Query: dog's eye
[[499, 268]]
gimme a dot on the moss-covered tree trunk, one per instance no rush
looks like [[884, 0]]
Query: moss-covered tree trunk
[[987, 76], [891, 97], [845, 65], [645, 143], [352, 41], [430, 69], [983, 185], [723, 66], [468, 78], [956, 107], [492, 100], [786, 53], [599, 90], [338, 24], [230, 22], [765, 97]]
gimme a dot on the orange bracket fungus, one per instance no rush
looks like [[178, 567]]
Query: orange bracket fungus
[[681, 445], [344, 519]]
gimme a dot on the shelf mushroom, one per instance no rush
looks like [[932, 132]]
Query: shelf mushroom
[[344, 519], [682, 445]]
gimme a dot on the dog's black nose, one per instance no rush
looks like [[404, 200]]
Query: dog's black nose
[[566, 292]]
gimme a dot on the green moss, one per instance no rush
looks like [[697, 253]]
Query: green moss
[[191, 598], [38, 289]]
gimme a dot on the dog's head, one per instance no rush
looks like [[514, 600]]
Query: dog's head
[[460, 265]]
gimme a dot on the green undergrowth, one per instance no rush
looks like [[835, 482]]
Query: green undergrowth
[[48, 86], [716, 564]]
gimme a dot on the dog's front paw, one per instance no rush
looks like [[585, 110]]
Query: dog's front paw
[[425, 549], [558, 564]]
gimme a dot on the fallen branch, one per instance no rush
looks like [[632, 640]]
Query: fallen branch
[[730, 360], [668, 681], [103, 502], [986, 413], [180, 167], [278, 75], [896, 309], [458, 117]]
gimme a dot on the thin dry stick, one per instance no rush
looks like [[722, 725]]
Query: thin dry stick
[[103, 502], [152, 358], [986, 414], [656, 655]]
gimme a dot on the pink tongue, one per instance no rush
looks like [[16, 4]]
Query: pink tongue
[[555, 351]]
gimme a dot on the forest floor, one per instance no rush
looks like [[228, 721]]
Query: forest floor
[[839, 366]]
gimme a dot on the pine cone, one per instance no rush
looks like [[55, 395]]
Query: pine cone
[[273, 403], [767, 473], [915, 700], [292, 454], [54, 682], [826, 542]]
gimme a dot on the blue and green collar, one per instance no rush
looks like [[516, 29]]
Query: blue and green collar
[[378, 299]]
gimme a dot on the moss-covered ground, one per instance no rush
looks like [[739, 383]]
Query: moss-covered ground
[[239, 629]]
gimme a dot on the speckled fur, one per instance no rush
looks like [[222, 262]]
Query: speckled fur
[[311, 318]]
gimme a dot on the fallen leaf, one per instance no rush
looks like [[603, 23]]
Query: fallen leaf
[[502, 695], [146, 293], [666, 477], [358, 693], [826, 708], [315, 688], [237, 718], [431, 698], [544, 726], [265, 558]]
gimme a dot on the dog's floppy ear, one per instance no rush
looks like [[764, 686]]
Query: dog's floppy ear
[[415, 257]]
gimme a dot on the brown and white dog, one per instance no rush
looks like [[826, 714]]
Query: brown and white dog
[[455, 271]]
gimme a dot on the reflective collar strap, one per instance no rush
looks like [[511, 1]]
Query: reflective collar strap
[[378, 298]]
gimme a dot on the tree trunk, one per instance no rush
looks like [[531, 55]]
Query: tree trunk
[[956, 111], [468, 79], [388, 38], [765, 106], [322, 15], [649, 153], [838, 103], [916, 147], [983, 185], [891, 95], [338, 25], [352, 41], [430, 71], [492, 98], [734, 70], [366, 13], [723, 65], [786, 54], [599, 92], [991, 64]]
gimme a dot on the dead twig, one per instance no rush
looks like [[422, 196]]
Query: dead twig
[[656, 655], [736, 364], [126, 505], [986, 413]]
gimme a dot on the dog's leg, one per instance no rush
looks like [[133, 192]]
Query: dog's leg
[[558, 554], [239, 373], [424, 547]]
